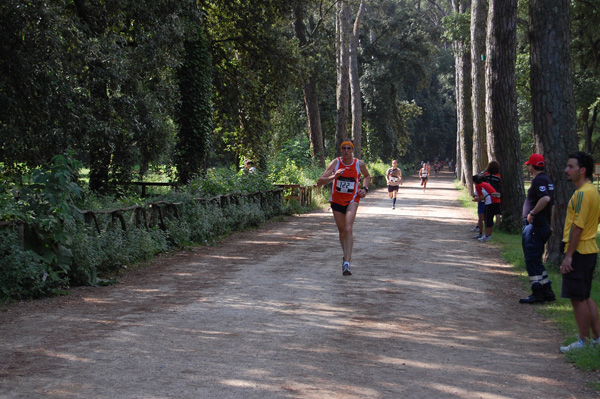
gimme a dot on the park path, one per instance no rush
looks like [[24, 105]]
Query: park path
[[428, 313]]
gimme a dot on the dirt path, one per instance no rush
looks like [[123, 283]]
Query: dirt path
[[428, 313]]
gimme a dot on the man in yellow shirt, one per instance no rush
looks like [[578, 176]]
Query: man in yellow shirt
[[581, 251]]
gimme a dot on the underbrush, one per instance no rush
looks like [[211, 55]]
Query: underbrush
[[63, 250]]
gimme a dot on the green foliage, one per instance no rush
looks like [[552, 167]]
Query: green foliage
[[23, 273], [457, 27], [50, 200], [254, 62], [407, 85], [220, 181], [195, 115]]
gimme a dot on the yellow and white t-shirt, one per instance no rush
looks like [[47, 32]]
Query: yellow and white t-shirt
[[583, 211]]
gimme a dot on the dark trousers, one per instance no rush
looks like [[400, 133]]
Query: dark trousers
[[534, 238]]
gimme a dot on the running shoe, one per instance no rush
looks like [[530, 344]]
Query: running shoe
[[475, 228], [346, 269], [393, 207], [478, 236], [575, 345], [485, 238]]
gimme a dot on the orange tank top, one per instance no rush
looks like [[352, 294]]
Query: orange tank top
[[345, 187]]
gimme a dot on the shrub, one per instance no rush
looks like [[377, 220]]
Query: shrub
[[24, 274]]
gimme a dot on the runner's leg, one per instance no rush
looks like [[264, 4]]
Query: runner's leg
[[348, 237], [340, 221]]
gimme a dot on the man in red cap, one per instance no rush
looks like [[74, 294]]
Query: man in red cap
[[537, 212]]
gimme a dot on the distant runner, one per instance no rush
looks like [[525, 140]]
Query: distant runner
[[393, 177], [424, 175]]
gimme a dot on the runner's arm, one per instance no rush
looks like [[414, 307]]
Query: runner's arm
[[328, 175], [366, 178]]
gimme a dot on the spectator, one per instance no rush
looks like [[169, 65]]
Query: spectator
[[486, 192], [581, 250], [537, 213]]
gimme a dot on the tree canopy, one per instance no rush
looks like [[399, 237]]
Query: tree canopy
[[131, 85]]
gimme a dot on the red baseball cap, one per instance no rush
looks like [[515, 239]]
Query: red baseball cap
[[536, 160]]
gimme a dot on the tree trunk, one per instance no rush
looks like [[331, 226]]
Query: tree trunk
[[588, 127], [314, 120], [355, 83], [478, 26], [342, 89], [553, 109], [464, 115], [309, 89], [501, 107]]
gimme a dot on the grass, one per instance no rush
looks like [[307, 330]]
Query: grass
[[559, 312]]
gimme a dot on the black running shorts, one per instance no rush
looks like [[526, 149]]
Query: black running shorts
[[577, 285], [339, 208]]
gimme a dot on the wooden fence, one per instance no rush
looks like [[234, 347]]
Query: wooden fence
[[152, 214], [155, 214]]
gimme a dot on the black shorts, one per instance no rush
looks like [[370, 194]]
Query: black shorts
[[490, 211], [424, 178], [392, 188], [577, 285], [339, 208]]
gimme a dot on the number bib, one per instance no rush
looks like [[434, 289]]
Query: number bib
[[345, 185]]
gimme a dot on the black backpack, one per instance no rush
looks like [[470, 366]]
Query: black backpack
[[495, 182]]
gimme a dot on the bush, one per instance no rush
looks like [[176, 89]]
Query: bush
[[24, 274], [67, 251]]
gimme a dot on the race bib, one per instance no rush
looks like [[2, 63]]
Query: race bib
[[394, 180], [345, 185]]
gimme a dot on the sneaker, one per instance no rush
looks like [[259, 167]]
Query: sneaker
[[575, 345], [346, 269], [478, 236], [596, 341], [485, 238], [475, 228], [393, 207]]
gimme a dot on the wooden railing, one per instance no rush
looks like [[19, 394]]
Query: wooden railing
[[153, 214], [303, 194]]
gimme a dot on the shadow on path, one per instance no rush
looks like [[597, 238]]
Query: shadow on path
[[428, 313]]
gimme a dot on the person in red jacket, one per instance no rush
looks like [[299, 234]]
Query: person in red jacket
[[485, 192], [345, 172]]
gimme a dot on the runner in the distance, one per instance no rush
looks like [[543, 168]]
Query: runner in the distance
[[393, 176], [424, 175], [345, 172]]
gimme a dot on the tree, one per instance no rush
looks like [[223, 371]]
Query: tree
[[501, 106], [125, 54], [254, 62], [39, 106], [309, 88], [354, 77], [342, 88], [478, 26], [585, 50], [409, 111], [195, 111], [464, 112], [553, 110]]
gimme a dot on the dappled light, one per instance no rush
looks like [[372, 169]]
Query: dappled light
[[428, 312]]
